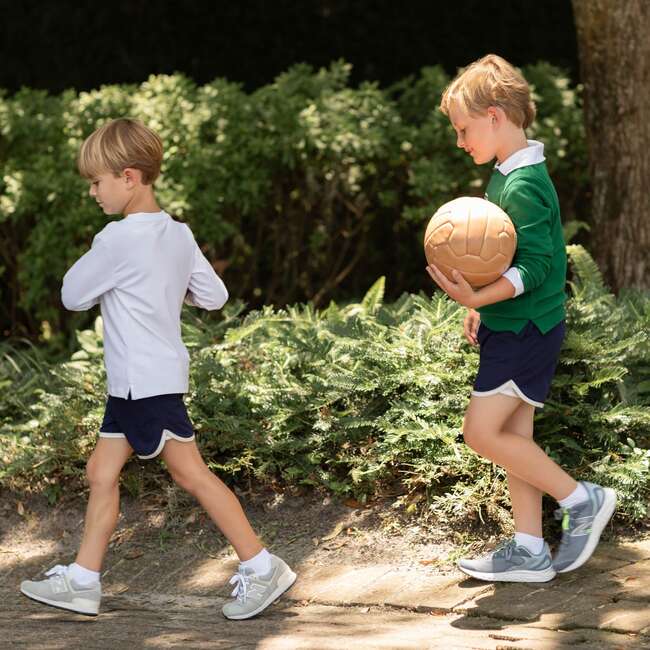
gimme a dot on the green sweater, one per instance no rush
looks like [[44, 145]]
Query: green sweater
[[528, 197]]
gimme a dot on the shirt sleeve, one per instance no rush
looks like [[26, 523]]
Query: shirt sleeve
[[514, 277], [531, 217], [205, 288], [89, 278]]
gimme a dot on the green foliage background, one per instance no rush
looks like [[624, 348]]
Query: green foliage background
[[364, 399], [306, 189]]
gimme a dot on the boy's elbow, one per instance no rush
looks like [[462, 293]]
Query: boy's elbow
[[219, 300], [533, 275], [207, 297], [68, 299], [72, 302]]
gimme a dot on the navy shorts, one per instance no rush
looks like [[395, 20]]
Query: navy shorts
[[147, 423], [521, 365]]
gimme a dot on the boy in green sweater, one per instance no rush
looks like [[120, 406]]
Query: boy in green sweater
[[518, 322]]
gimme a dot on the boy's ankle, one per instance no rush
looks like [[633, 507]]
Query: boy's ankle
[[260, 564], [579, 495], [531, 543], [82, 576]]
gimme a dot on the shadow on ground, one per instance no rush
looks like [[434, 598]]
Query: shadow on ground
[[360, 584]]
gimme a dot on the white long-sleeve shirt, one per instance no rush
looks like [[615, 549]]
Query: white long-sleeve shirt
[[140, 270]]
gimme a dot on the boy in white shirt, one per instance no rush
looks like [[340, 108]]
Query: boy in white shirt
[[140, 270]]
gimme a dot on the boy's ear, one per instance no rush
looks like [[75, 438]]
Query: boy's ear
[[493, 114], [132, 176]]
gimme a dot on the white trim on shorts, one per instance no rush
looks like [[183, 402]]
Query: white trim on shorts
[[509, 388], [166, 435]]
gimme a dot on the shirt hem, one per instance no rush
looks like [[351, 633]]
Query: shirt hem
[[516, 325], [123, 393]]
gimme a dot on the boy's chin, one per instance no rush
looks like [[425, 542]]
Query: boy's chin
[[478, 159]]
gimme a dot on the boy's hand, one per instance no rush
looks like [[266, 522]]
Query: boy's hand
[[460, 290], [470, 326]]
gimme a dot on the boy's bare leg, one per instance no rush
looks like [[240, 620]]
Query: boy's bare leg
[[484, 432], [188, 470], [526, 499], [103, 473]]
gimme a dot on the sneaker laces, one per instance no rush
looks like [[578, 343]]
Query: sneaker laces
[[573, 526], [506, 549], [242, 583], [58, 570], [563, 515]]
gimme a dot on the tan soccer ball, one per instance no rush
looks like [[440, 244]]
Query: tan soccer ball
[[473, 236]]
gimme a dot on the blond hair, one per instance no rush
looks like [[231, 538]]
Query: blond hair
[[491, 81], [119, 144]]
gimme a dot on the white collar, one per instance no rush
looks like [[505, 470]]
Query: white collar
[[146, 216], [531, 155]]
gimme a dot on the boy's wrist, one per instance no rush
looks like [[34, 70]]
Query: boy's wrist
[[477, 300]]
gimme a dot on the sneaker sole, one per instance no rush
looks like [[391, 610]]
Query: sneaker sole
[[284, 582], [79, 606], [513, 576], [600, 521]]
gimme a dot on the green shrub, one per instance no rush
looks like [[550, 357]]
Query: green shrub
[[306, 189], [365, 399]]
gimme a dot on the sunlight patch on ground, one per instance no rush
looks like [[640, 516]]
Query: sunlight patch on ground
[[210, 575], [29, 550]]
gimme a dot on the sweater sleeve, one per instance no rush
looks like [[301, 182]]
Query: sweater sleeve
[[205, 288], [89, 277], [531, 217]]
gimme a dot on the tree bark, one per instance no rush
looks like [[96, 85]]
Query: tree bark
[[614, 51]]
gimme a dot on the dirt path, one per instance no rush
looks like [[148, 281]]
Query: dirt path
[[366, 579]]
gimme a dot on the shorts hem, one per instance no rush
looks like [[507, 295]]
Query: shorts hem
[[166, 435], [508, 388]]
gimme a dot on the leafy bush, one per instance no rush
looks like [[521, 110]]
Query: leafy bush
[[366, 399], [306, 189]]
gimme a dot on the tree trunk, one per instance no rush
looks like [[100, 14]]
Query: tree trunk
[[614, 50]]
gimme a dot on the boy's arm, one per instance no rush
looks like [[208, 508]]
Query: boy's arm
[[499, 290], [463, 293], [532, 219], [205, 288], [532, 261], [89, 277]]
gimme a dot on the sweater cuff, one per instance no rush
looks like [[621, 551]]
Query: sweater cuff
[[514, 277]]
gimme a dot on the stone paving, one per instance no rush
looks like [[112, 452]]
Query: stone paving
[[603, 606]]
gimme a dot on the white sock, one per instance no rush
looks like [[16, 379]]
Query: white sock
[[532, 543], [260, 564], [82, 576], [577, 496]]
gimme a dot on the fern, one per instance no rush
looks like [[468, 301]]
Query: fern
[[374, 298], [362, 399]]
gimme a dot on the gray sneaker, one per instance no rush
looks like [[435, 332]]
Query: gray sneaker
[[255, 593], [59, 591], [511, 563], [582, 525]]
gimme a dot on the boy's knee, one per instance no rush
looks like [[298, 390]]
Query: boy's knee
[[181, 479], [100, 477], [189, 481]]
